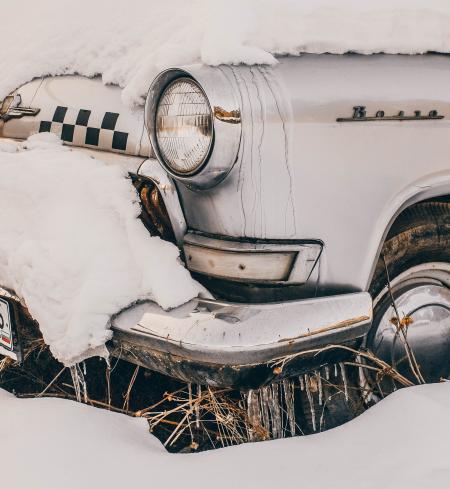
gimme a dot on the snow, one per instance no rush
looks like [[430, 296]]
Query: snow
[[403, 442], [72, 248], [128, 43]]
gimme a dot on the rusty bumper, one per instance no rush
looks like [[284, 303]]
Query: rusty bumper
[[237, 345]]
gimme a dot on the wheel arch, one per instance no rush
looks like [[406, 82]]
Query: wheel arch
[[435, 189]]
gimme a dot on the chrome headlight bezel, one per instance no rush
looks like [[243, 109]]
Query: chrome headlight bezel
[[226, 123]]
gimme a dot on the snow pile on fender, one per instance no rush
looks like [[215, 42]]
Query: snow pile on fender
[[129, 42], [72, 247]]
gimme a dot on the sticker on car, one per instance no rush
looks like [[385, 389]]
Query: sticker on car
[[6, 330]]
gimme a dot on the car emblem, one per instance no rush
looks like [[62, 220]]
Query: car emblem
[[360, 115], [11, 109]]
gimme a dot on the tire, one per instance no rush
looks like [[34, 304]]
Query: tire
[[415, 262]]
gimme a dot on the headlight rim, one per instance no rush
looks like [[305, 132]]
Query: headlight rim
[[221, 90], [181, 75]]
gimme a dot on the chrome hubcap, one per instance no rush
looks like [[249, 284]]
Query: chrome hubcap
[[420, 320]]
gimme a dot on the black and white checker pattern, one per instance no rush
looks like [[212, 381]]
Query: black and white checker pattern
[[72, 125]]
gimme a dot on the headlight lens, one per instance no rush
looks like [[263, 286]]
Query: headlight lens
[[184, 126]]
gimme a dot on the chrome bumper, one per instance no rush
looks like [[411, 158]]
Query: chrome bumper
[[233, 345]]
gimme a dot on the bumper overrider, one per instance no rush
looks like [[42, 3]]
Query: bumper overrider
[[236, 345]]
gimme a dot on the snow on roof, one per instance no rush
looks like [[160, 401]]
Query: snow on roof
[[129, 42]]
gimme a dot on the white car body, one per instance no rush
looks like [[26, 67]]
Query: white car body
[[313, 161]]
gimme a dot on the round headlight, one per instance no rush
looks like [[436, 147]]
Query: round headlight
[[184, 127]]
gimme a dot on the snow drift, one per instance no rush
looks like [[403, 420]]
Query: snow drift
[[72, 247], [402, 443], [129, 42]]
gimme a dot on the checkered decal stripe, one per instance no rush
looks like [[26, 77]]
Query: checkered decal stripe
[[106, 135]]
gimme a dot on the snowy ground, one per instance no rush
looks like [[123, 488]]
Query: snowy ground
[[403, 442]]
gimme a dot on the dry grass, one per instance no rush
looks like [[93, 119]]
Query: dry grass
[[200, 411], [191, 417]]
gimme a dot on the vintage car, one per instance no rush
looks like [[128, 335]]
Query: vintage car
[[311, 199]]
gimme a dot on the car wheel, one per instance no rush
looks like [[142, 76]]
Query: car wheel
[[411, 290]]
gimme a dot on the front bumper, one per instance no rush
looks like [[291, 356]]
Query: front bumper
[[225, 344]]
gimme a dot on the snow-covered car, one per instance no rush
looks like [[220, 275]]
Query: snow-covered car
[[311, 199]]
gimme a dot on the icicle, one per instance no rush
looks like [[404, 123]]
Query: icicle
[[311, 401], [253, 414], [197, 406], [327, 372], [83, 385], [84, 368], [319, 387], [312, 383], [302, 383], [243, 404], [265, 400], [335, 370], [79, 383], [191, 403], [277, 423], [288, 387], [344, 379], [76, 383]]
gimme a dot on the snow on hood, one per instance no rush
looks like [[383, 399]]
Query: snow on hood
[[128, 43], [72, 247]]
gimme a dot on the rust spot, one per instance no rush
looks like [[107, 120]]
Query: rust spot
[[403, 323], [230, 116], [407, 321], [342, 324], [155, 215]]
